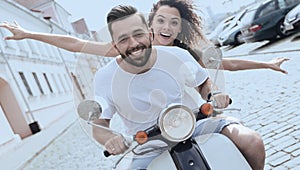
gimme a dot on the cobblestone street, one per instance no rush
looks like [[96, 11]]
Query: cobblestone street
[[269, 103]]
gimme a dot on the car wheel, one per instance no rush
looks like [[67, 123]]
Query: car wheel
[[280, 29], [239, 38]]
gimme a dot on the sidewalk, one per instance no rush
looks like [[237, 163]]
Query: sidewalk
[[31, 146], [270, 105]]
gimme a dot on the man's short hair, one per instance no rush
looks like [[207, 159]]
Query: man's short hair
[[121, 12]]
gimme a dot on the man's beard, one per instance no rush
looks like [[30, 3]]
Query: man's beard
[[143, 60]]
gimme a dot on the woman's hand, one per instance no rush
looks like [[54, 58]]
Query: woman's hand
[[276, 63], [18, 32]]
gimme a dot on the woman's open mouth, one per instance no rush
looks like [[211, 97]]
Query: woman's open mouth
[[166, 35]]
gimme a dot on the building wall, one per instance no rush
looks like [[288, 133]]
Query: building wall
[[38, 99], [37, 80]]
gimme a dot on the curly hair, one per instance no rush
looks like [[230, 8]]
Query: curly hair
[[191, 25]]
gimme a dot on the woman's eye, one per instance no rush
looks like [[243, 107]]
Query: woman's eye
[[174, 23], [160, 21]]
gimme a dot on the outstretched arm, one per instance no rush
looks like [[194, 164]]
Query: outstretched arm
[[66, 42], [237, 64]]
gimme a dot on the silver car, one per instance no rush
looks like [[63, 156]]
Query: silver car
[[213, 36], [292, 19], [232, 34]]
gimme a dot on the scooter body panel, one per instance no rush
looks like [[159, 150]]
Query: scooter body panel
[[221, 153], [163, 161]]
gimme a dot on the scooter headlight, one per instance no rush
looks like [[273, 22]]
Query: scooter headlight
[[177, 123]]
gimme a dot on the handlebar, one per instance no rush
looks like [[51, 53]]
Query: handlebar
[[127, 140], [204, 111], [106, 153]]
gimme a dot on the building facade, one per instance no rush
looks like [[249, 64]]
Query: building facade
[[39, 82]]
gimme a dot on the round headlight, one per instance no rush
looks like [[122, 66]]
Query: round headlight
[[177, 123]]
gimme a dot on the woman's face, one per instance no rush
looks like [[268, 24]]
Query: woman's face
[[166, 25]]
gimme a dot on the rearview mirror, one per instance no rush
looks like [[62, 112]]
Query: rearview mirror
[[89, 110], [212, 57]]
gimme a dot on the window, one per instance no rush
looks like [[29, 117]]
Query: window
[[62, 82], [49, 50], [269, 8], [34, 48], [54, 52], [38, 83], [24, 49], [248, 17], [25, 83], [41, 47], [291, 2], [8, 44], [48, 83], [68, 81], [281, 4], [58, 88]]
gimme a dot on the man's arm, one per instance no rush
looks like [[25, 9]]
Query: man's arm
[[102, 135], [205, 88], [222, 100], [66, 42], [113, 143]]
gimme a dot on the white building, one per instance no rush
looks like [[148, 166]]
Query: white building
[[36, 87]]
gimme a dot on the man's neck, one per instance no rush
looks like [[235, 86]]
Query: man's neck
[[138, 70]]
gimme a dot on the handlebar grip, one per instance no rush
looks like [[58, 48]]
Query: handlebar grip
[[106, 153]]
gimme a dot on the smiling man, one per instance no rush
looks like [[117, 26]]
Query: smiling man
[[144, 80], [134, 44]]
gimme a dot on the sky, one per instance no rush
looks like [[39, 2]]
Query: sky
[[94, 11]]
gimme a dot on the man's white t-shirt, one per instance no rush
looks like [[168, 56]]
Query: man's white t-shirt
[[139, 98]]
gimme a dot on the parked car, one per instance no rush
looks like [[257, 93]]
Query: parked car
[[265, 21], [214, 35], [292, 19], [232, 35]]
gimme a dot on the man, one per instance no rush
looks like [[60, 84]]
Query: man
[[142, 81]]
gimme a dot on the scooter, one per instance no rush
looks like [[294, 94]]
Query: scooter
[[175, 126]]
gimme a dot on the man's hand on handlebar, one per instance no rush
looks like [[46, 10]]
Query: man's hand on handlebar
[[116, 145]]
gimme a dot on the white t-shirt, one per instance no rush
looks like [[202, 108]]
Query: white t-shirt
[[139, 98]]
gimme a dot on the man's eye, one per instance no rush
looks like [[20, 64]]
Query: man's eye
[[138, 35], [123, 40]]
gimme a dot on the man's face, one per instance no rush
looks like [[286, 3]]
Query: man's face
[[131, 38]]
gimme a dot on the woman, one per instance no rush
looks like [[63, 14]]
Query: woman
[[185, 32]]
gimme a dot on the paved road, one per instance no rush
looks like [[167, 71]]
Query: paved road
[[270, 105]]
